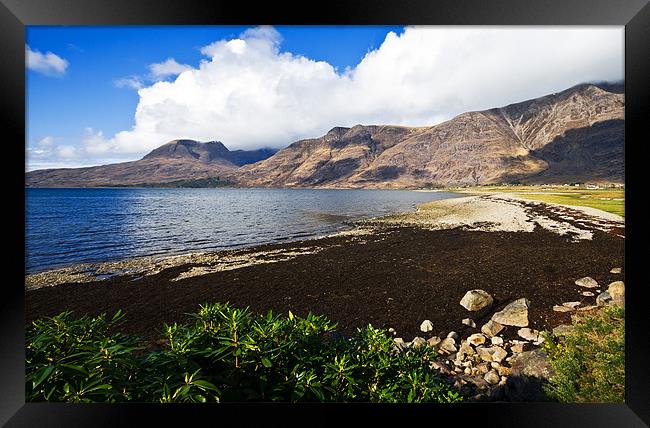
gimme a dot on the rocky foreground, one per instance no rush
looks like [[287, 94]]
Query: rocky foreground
[[490, 367]]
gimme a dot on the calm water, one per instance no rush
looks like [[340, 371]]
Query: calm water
[[66, 226]]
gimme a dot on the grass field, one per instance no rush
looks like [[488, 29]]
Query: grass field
[[610, 200]]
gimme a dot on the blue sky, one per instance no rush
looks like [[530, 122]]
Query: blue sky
[[87, 96], [253, 87]]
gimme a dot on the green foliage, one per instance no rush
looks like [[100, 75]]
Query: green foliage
[[230, 354], [589, 362], [79, 360]]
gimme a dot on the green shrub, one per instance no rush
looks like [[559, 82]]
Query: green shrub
[[79, 360], [230, 354], [589, 362]]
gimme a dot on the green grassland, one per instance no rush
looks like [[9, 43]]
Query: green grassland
[[611, 200]]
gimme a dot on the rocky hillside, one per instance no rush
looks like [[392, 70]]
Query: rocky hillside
[[174, 161], [574, 135]]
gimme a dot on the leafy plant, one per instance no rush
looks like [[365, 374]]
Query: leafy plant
[[79, 360], [589, 362], [228, 354]]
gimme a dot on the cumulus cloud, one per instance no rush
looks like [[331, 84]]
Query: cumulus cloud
[[47, 63], [167, 68], [247, 93], [157, 72]]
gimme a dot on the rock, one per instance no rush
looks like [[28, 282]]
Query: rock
[[503, 371], [467, 371], [514, 314], [615, 270], [392, 331], [603, 299], [557, 308], [528, 334], [469, 322], [484, 354], [483, 368], [498, 354], [587, 282], [434, 341], [475, 300], [518, 348], [571, 305], [465, 349], [492, 377], [491, 328], [491, 354], [418, 341], [587, 308], [562, 330], [496, 340], [476, 339], [529, 372], [435, 366], [587, 293], [426, 326], [453, 335], [448, 345], [399, 343], [617, 291]]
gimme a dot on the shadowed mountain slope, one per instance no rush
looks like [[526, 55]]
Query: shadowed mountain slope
[[576, 134]]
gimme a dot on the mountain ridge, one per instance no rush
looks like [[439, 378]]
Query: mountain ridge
[[572, 135], [174, 161], [508, 143]]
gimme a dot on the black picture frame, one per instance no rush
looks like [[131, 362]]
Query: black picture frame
[[15, 15]]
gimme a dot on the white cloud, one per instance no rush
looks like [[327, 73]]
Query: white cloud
[[132, 82], [46, 141], [67, 152], [57, 152], [249, 94], [47, 63], [157, 71], [167, 68]]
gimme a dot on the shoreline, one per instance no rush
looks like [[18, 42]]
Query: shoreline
[[489, 212]]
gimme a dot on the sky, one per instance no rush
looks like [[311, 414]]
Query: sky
[[98, 95]]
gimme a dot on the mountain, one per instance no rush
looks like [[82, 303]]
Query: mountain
[[210, 152], [573, 135], [576, 135], [176, 161]]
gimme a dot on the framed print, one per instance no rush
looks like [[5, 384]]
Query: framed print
[[360, 208]]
